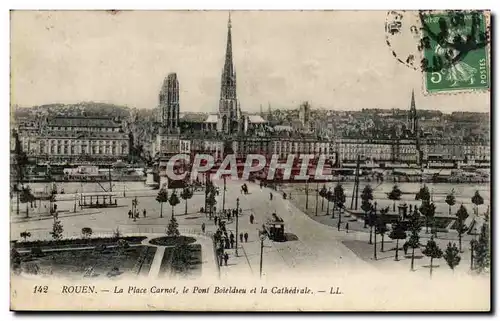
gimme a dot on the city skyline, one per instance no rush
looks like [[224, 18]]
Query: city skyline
[[126, 65]]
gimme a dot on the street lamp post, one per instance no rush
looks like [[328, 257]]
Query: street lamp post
[[237, 214], [317, 193], [375, 231], [224, 195], [74, 205], [262, 238], [307, 193]]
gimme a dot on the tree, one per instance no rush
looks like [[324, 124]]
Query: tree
[[366, 206], [371, 220], [211, 202], [461, 227], [57, 230], [186, 194], [173, 227], [26, 197], [329, 198], [323, 193], [423, 194], [21, 161], [394, 195], [433, 251], [381, 227], [339, 198], [367, 193], [414, 226], [366, 197], [451, 255], [116, 233], [173, 201], [25, 235], [477, 200], [428, 210], [482, 250], [15, 261], [450, 200], [86, 232], [161, 198], [398, 233]]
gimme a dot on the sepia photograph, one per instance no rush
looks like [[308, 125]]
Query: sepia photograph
[[234, 160]]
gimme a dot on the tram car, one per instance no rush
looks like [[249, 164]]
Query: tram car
[[275, 228]]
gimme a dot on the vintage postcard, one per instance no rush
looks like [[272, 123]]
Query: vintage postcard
[[250, 160]]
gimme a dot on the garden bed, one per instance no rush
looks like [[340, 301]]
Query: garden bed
[[172, 240], [78, 263], [182, 261], [77, 242]]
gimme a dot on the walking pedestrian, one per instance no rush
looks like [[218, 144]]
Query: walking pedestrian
[[231, 241], [226, 257], [226, 243], [203, 227], [241, 211], [228, 215], [215, 219], [338, 225], [144, 213], [251, 218], [271, 196], [246, 237], [241, 237], [347, 227], [129, 213], [221, 257]]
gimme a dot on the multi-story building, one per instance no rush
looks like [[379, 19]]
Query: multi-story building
[[378, 150], [166, 145], [245, 145], [214, 147], [296, 146], [83, 139]]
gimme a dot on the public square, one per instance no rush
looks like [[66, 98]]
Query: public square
[[314, 244]]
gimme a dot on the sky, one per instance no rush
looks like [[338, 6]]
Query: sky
[[336, 60]]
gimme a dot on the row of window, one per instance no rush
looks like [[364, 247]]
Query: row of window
[[92, 129], [78, 142], [94, 150]]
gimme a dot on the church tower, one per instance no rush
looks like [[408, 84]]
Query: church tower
[[413, 125], [229, 109], [169, 103]]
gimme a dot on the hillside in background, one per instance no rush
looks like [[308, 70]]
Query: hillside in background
[[89, 109]]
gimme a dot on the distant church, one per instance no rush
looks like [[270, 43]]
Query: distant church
[[228, 120]]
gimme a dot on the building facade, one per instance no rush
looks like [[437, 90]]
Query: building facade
[[82, 139]]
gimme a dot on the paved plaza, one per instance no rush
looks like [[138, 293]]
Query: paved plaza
[[313, 245]]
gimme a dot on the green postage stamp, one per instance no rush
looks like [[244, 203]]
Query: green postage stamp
[[455, 51]]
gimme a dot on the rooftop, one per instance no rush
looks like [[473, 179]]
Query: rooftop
[[78, 121]]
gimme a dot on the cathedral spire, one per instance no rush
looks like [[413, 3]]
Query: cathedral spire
[[412, 104], [228, 104]]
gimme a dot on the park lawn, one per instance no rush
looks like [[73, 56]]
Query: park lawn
[[74, 263], [194, 268]]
